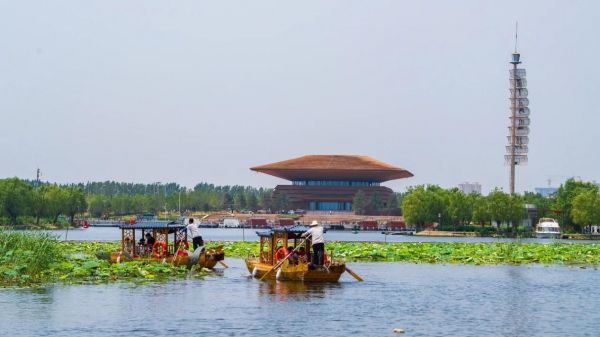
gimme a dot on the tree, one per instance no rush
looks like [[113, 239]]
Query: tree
[[359, 202], [516, 211], [15, 195], [239, 201], [56, 199], [375, 202], [498, 203], [38, 203], [566, 194], [281, 201], [98, 206], [265, 199], [227, 201], [586, 208], [392, 205], [542, 204], [252, 201], [422, 205], [459, 209], [506, 208], [481, 211], [74, 202]]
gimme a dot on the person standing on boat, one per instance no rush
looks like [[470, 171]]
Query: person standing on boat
[[318, 242], [194, 231]]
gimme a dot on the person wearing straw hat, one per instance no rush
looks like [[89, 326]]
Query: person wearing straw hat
[[318, 242]]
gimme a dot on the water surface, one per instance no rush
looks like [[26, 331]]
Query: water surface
[[423, 299]]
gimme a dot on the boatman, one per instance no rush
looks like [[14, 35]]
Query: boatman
[[194, 231], [318, 242]]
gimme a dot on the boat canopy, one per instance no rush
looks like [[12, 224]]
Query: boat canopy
[[153, 225], [292, 231]]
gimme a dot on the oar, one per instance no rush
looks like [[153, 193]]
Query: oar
[[223, 263], [285, 258], [355, 275]]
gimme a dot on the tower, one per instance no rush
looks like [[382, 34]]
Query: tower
[[516, 150]]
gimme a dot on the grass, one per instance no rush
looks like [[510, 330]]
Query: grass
[[26, 256], [30, 258]]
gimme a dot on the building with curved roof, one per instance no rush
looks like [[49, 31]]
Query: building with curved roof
[[330, 182]]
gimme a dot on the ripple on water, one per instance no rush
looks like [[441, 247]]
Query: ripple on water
[[425, 300]]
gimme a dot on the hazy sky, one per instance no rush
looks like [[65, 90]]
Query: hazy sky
[[191, 91]]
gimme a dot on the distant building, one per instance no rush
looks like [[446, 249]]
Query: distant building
[[546, 191], [330, 182], [468, 188]]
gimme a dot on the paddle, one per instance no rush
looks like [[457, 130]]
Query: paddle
[[355, 275], [223, 263], [285, 258]]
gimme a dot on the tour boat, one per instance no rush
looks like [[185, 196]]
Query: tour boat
[[547, 228], [274, 261], [177, 253]]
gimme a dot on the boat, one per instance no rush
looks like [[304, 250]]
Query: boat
[[547, 228], [271, 265], [162, 249], [407, 231], [230, 223], [351, 226]]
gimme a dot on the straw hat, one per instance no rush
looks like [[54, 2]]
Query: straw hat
[[314, 223]]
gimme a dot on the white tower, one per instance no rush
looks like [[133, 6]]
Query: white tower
[[516, 151]]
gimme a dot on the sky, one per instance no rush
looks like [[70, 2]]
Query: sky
[[198, 91]]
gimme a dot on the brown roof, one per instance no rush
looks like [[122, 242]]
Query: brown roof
[[333, 167]]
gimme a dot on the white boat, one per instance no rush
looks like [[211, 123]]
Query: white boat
[[547, 228], [230, 223]]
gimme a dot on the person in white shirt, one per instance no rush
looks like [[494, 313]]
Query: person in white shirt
[[194, 232], [318, 242]]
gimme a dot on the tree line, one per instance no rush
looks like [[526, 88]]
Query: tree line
[[21, 200], [576, 204]]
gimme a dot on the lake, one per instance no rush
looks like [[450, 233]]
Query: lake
[[423, 299]]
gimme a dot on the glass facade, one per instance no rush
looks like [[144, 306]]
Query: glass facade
[[330, 206], [334, 183]]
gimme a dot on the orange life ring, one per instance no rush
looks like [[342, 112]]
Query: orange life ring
[[185, 244], [163, 250], [281, 253]]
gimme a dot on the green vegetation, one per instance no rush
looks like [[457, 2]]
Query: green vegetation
[[26, 257], [20, 202], [573, 206], [34, 258], [450, 252], [469, 253], [31, 202]]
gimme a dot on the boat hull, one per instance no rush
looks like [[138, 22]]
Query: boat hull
[[205, 259], [547, 235], [300, 272]]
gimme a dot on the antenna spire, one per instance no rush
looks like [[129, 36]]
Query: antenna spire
[[516, 34]]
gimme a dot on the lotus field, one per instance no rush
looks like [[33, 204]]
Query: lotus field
[[35, 258], [450, 252]]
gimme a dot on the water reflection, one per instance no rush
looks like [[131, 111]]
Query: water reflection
[[518, 303], [426, 300], [283, 291]]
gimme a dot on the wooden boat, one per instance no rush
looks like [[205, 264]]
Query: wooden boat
[[161, 250], [291, 269]]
